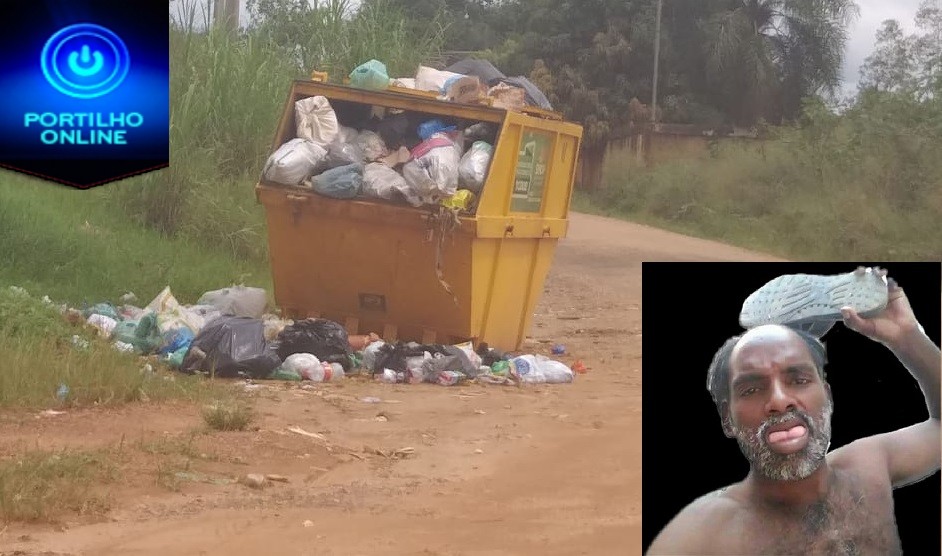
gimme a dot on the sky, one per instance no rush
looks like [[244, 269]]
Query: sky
[[862, 32]]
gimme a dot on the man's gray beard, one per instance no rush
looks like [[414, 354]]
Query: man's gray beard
[[788, 467]]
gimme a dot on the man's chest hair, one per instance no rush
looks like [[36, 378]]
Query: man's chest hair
[[855, 518]]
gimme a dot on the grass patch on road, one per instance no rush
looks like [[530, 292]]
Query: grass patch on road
[[227, 415], [42, 486]]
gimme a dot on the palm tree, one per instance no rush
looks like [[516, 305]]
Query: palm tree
[[765, 56]]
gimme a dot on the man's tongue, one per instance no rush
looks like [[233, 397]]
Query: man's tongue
[[780, 436]]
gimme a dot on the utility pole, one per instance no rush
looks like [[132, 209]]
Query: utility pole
[[657, 61], [226, 14]]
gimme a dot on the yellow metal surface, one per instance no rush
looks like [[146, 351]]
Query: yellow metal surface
[[371, 265]]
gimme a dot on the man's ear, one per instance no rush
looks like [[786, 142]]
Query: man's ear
[[727, 423], [827, 389]]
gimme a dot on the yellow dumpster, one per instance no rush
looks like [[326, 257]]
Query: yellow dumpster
[[378, 266]]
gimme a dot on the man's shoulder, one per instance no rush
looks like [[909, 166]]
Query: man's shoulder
[[695, 527]]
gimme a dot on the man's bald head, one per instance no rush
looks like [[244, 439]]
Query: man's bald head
[[758, 337]]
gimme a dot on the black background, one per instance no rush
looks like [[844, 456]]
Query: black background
[[691, 309]]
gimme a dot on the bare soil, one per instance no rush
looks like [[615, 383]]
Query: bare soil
[[493, 470]]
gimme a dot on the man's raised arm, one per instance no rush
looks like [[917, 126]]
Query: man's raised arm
[[912, 453]]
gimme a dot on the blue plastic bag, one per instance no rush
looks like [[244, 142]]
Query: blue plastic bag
[[175, 340], [431, 127], [371, 75], [343, 182]]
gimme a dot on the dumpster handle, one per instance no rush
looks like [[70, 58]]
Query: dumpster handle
[[296, 201]]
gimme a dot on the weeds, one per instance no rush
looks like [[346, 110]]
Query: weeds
[[864, 185], [227, 415], [41, 486]]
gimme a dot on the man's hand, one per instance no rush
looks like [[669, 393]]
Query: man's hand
[[893, 324]]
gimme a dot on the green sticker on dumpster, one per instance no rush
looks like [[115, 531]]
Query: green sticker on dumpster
[[530, 177]]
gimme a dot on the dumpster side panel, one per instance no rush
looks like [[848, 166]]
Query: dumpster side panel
[[508, 282], [339, 260]]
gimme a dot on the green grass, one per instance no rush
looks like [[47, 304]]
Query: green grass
[[71, 246], [227, 415], [867, 185], [42, 486], [39, 354]]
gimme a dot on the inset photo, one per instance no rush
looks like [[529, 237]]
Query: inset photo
[[791, 408]]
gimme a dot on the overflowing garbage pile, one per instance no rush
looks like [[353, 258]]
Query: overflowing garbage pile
[[400, 156], [229, 334]]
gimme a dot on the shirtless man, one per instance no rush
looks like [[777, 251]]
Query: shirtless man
[[797, 498]]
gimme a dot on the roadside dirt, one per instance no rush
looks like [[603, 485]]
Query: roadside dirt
[[495, 470]]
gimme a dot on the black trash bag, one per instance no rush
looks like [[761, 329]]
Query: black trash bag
[[478, 68], [394, 130], [232, 347], [393, 356], [489, 355], [322, 338]]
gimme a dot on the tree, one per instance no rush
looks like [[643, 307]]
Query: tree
[[910, 65], [765, 56], [892, 66]]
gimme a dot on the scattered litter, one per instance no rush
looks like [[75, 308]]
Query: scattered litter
[[480, 412], [104, 324], [370, 399], [79, 342], [62, 392], [580, 367], [401, 453], [308, 523], [50, 413], [302, 432], [123, 346], [559, 349], [479, 451], [253, 480], [277, 478]]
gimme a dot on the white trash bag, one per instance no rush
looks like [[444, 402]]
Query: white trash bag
[[347, 135], [473, 167], [294, 162], [306, 365], [240, 301], [372, 146], [316, 120], [382, 182], [538, 369], [432, 174]]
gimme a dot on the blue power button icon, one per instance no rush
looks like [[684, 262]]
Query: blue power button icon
[[85, 60]]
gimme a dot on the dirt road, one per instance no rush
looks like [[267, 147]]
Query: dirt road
[[495, 471]]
